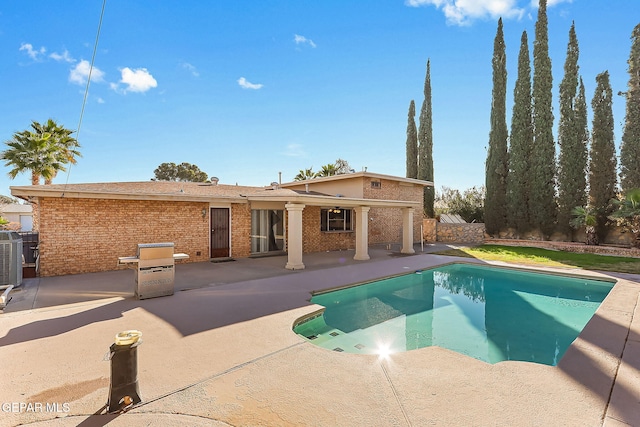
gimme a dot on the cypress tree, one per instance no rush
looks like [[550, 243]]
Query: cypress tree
[[572, 162], [521, 145], [412, 143], [543, 205], [630, 146], [581, 127], [602, 168], [425, 147], [496, 165]]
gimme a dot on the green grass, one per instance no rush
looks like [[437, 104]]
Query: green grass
[[548, 258]]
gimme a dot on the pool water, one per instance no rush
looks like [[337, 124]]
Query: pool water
[[489, 313]]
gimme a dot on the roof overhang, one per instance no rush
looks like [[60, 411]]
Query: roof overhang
[[345, 202], [361, 174], [31, 193]]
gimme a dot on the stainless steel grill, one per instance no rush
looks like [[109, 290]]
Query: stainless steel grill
[[155, 273]]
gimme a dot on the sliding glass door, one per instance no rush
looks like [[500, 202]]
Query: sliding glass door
[[267, 231]]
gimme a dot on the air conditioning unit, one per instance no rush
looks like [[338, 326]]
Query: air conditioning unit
[[10, 258]]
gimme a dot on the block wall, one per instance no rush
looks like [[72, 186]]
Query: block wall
[[460, 233], [429, 226], [88, 235]]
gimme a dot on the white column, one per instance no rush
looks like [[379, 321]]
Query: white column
[[407, 231], [362, 233], [294, 236]]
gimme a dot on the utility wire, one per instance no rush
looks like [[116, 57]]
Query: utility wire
[[86, 90]]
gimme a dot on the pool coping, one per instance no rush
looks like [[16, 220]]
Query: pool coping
[[591, 339]]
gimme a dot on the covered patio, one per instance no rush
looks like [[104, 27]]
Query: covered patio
[[295, 227]]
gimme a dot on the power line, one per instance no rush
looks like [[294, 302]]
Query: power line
[[86, 90]]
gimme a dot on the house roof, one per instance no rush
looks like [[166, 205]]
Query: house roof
[[361, 174], [13, 208], [144, 190], [207, 192]]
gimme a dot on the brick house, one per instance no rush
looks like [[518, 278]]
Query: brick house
[[86, 227]]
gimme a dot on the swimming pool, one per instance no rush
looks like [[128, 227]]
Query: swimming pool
[[489, 313]]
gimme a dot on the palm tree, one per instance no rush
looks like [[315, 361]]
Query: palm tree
[[65, 144], [44, 151], [628, 213], [327, 170], [585, 216], [305, 174]]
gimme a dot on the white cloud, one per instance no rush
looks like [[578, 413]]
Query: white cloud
[[64, 57], [80, 73], [190, 68], [294, 150], [463, 12], [248, 85], [298, 39], [100, 100], [34, 54], [137, 80]]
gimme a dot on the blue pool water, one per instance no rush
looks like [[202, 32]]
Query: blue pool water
[[492, 314]]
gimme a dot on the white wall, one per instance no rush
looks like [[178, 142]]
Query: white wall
[[22, 214]]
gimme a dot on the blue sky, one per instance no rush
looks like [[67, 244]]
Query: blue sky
[[247, 89]]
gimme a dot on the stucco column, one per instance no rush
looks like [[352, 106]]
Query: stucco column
[[294, 236], [407, 231], [362, 233]]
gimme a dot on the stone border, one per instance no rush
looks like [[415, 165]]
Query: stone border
[[568, 246]]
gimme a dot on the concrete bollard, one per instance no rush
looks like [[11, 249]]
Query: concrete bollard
[[123, 388]]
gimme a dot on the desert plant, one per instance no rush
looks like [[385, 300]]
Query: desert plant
[[585, 217], [628, 214]]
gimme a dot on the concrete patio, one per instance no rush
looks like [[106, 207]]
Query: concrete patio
[[221, 352]]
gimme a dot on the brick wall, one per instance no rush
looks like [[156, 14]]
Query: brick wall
[[315, 240], [386, 224], [240, 230], [88, 235]]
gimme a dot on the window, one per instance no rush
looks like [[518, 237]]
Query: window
[[376, 184], [335, 219]]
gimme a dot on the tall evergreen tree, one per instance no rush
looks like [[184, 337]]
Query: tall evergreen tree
[[521, 145], [543, 166], [412, 142], [581, 126], [425, 145], [572, 162], [602, 168], [630, 147], [495, 217]]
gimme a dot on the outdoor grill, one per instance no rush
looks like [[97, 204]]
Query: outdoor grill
[[155, 273]]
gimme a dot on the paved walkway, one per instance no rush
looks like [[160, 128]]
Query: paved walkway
[[220, 352]]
